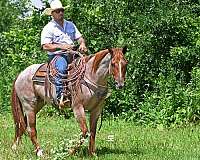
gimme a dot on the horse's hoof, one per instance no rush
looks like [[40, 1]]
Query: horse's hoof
[[14, 147], [39, 153], [72, 151], [93, 154]]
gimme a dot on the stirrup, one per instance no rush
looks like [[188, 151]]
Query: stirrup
[[62, 102]]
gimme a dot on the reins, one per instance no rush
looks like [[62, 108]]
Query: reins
[[95, 84]]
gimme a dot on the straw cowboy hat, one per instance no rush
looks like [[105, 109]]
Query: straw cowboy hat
[[55, 4]]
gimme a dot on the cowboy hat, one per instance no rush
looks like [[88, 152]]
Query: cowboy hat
[[55, 4]]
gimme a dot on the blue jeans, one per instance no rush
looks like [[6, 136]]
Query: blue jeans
[[61, 65]]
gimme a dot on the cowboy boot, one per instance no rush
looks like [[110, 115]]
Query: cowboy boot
[[61, 103]]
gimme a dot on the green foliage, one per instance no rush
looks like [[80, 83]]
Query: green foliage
[[163, 42], [8, 13], [20, 47]]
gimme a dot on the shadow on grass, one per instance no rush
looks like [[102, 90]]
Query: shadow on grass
[[106, 151]]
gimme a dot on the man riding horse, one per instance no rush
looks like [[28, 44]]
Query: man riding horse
[[57, 37], [88, 81]]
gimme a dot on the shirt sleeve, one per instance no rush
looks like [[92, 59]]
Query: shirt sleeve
[[77, 33], [46, 36]]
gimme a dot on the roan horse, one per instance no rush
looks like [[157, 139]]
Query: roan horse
[[28, 97]]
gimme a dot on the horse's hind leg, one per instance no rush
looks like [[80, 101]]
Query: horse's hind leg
[[31, 128]]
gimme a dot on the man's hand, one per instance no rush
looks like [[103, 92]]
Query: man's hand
[[82, 48]]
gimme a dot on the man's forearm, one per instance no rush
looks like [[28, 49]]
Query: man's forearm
[[56, 47]]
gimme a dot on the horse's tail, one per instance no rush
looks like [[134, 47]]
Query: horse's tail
[[18, 115]]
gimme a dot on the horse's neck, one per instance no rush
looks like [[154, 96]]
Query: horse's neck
[[101, 74]]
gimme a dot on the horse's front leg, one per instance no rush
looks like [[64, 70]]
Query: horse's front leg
[[94, 115], [80, 117], [79, 114]]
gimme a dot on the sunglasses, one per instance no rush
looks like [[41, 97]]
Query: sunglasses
[[59, 10]]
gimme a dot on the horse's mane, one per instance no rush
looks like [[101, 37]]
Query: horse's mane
[[97, 59], [87, 58]]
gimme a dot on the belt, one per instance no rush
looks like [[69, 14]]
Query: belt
[[65, 56]]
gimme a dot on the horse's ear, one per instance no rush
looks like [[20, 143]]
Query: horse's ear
[[110, 50], [124, 50]]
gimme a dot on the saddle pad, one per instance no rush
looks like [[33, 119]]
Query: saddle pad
[[40, 74]]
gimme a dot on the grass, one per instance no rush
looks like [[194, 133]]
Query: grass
[[116, 140]]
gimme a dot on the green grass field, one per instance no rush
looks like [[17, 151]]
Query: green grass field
[[116, 140]]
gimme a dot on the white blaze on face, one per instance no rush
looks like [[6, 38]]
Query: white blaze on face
[[120, 69]]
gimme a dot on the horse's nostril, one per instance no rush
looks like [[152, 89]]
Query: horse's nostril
[[120, 87]]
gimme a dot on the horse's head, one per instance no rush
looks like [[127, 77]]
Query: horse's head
[[118, 65]]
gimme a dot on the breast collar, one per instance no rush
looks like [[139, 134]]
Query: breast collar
[[100, 91]]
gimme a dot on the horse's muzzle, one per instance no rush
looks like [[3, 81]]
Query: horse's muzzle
[[119, 85]]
